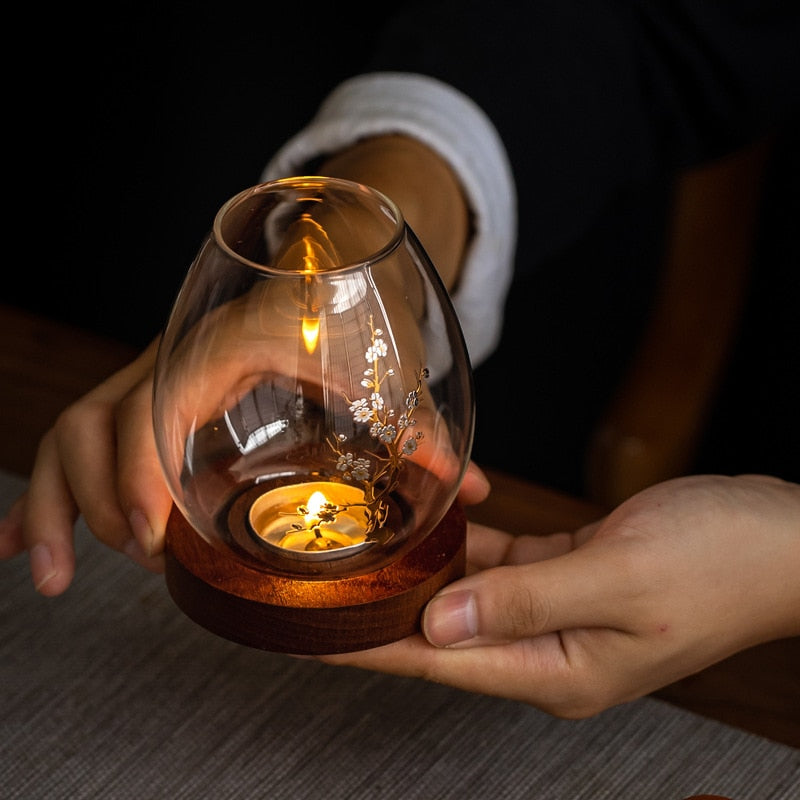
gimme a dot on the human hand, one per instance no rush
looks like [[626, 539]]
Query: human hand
[[99, 460], [678, 577]]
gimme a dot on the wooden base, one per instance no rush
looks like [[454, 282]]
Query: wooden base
[[310, 617]]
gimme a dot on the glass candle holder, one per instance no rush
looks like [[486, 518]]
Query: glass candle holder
[[313, 401]]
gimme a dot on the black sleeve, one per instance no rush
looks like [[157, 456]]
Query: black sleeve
[[593, 97], [156, 114]]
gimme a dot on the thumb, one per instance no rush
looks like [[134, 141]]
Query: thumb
[[509, 603]]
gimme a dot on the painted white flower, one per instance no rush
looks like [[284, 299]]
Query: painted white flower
[[376, 350], [409, 446], [387, 434], [361, 410], [360, 471], [373, 411]]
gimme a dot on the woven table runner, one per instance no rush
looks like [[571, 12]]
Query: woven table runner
[[109, 691]]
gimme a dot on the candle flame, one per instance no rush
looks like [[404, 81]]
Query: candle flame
[[331, 517], [314, 506]]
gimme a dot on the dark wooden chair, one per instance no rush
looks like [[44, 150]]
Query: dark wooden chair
[[651, 428]]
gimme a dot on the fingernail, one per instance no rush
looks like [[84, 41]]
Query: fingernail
[[134, 550], [43, 567], [142, 531], [450, 618]]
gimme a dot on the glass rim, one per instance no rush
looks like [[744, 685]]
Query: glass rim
[[318, 183]]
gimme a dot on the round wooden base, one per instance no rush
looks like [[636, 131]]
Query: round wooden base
[[310, 617]]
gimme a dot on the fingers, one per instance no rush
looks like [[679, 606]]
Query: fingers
[[569, 635], [47, 513], [475, 486], [112, 472], [490, 547], [507, 603], [144, 498], [545, 672], [89, 454], [77, 472], [86, 454], [573, 625]]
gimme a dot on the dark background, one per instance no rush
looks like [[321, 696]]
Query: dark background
[[144, 122]]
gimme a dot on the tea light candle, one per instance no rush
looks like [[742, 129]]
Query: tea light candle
[[317, 519]]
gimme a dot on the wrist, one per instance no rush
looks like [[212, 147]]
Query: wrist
[[423, 185]]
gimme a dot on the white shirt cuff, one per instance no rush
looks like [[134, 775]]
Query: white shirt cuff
[[450, 123]]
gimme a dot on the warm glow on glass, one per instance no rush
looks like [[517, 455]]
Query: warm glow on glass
[[315, 258], [310, 328]]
